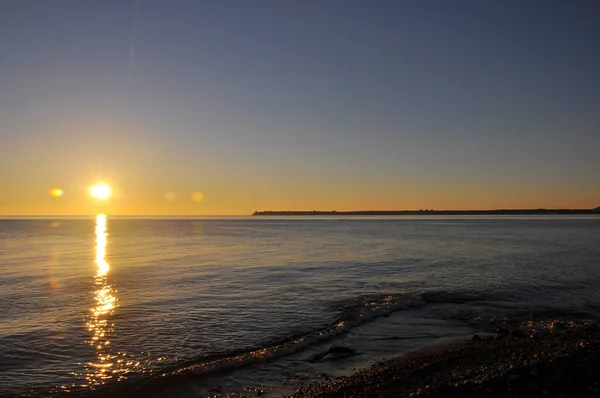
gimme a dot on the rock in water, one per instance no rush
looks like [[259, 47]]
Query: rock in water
[[334, 353]]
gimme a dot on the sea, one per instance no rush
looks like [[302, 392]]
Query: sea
[[216, 306]]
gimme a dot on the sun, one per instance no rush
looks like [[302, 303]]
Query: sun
[[100, 191]]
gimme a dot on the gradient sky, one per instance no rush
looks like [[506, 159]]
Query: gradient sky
[[311, 104]]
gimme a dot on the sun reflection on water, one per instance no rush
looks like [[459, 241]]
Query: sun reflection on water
[[101, 241], [106, 366]]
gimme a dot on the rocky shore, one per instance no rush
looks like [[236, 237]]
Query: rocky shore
[[522, 358]]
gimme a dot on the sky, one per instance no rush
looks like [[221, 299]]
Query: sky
[[226, 107]]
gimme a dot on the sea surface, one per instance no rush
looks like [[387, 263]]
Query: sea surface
[[208, 306]]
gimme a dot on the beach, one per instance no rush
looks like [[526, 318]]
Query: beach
[[545, 358]]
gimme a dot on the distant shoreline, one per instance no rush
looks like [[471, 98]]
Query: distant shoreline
[[429, 212]]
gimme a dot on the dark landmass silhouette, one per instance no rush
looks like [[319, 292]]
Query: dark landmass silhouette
[[428, 212]]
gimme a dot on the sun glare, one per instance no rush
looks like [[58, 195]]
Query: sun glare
[[100, 191]]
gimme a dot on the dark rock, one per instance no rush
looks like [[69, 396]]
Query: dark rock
[[519, 334], [340, 350], [503, 331], [334, 353], [559, 325], [594, 328], [476, 337]]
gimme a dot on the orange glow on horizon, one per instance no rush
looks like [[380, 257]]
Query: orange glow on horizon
[[163, 198]]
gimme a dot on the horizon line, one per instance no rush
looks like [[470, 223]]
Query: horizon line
[[423, 210]]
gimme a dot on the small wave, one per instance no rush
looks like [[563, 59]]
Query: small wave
[[353, 313], [458, 297]]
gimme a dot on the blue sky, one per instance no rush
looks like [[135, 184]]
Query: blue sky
[[299, 104]]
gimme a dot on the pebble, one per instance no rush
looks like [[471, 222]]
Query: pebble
[[503, 331], [548, 363]]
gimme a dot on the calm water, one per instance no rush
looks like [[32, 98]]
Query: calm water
[[94, 304]]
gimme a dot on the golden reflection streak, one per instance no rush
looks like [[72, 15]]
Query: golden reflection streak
[[107, 365], [101, 240]]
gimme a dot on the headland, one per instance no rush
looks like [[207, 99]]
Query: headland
[[430, 212]]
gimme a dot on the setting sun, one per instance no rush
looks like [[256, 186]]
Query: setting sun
[[100, 191]]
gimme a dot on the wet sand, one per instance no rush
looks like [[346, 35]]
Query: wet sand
[[545, 358]]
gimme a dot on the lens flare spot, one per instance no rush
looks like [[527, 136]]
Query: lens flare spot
[[170, 196], [100, 191], [197, 197], [56, 192]]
